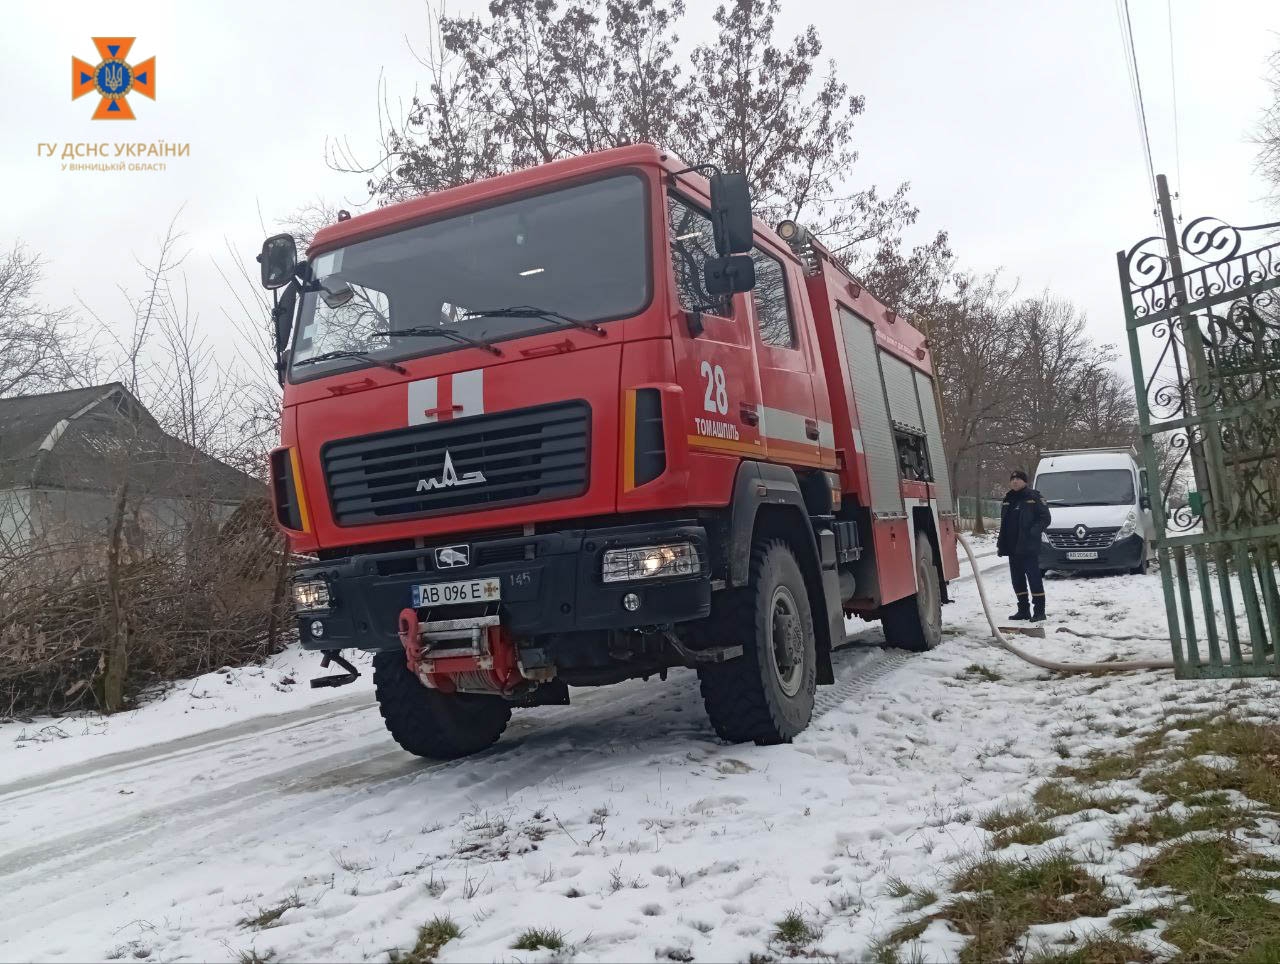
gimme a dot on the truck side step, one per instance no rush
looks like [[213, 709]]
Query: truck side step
[[340, 679]]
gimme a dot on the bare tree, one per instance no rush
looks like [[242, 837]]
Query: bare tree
[[1267, 136], [41, 348]]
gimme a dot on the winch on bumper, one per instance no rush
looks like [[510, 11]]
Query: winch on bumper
[[548, 583]]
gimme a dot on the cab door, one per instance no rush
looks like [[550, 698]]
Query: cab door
[[714, 355], [793, 431]]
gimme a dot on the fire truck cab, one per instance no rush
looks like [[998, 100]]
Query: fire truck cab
[[588, 422]]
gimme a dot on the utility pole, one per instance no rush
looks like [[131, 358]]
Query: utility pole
[[1197, 365]]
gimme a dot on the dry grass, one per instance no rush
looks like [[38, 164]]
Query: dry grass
[[81, 621], [431, 938]]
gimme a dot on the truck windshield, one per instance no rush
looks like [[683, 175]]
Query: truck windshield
[[579, 254], [1091, 487]]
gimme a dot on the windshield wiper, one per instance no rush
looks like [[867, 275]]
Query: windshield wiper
[[425, 331], [529, 311], [363, 356]]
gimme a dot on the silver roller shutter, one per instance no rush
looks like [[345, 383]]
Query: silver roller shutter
[[933, 435], [901, 389], [873, 412]]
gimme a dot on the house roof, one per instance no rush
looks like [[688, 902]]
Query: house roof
[[93, 438]]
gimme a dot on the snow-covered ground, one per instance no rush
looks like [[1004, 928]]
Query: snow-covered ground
[[620, 821]]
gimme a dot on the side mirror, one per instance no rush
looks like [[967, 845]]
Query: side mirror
[[731, 214], [1144, 502], [729, 275], [277, 260]]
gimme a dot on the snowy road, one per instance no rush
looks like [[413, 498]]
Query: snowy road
[[619, 820]]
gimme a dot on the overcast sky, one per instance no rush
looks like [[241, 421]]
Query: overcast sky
[[1012, 120]]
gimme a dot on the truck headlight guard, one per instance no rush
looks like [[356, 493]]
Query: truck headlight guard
[[651, 562], [311, 596]]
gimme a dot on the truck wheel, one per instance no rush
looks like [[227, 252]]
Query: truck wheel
[[915, 623], [765, 695], [1144, 566], [428, 723]]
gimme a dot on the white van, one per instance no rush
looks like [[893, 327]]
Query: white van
[[1101, 511]]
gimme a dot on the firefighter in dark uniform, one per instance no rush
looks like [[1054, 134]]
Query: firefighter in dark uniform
[[1023, 517]]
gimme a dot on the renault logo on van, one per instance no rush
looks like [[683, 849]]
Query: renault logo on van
[[449, 477], [1081, 532]]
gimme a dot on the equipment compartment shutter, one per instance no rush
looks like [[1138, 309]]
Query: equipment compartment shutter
[[873, 413], [904, 407], [933, 435]]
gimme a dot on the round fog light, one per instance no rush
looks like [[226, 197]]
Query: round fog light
[[631, 602], [317, 629]]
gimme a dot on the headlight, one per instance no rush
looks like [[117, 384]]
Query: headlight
[[651, 562], [310, 596], [1130, 526], [1044, 537]]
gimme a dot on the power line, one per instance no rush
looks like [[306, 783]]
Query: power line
[[1142, 110], [1130, 62], [1173, 82]]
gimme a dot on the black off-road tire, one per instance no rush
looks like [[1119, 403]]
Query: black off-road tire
[[915, 623], [431, 724], [753, 697]]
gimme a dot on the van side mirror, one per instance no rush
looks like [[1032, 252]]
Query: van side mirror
[[731, 214], [1144, 502], [729, 275], [278, 258]]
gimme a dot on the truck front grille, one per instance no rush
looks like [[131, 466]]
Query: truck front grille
[[463, 465], [1093, 539]]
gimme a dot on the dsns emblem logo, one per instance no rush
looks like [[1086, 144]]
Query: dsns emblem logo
[[114, 78]]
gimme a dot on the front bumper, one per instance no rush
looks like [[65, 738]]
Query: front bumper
[[550, 584], [1124, 553]]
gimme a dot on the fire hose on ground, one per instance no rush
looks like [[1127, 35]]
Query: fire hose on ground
[[1003, 641]]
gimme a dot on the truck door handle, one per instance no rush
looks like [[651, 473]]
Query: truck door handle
[[749, 415], [811, 429]]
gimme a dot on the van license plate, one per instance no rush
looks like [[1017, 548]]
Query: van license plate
[[1082, 556], [456, 593]]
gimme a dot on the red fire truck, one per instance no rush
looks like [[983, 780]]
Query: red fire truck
[[590, 421]]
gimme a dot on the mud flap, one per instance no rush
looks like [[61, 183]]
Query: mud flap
[[835, 623]]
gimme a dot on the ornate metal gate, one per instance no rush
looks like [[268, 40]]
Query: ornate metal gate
[[1203, 318]]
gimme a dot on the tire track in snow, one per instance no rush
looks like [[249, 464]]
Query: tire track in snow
[[184, 746], [372, 756], [867, 673], [370, 764]]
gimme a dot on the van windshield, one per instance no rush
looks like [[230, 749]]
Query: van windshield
[[575, 255], [1091, 487]]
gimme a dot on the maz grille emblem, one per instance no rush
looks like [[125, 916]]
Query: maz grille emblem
[[451, 557], [449, 477]]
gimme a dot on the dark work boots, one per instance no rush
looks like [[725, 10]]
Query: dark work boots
[[1024, 608], [1038, 615]]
